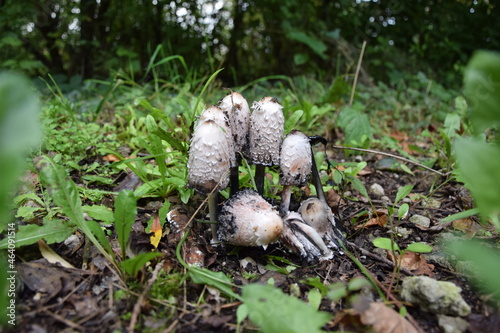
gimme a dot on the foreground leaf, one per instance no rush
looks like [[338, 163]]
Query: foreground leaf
[[125, 210], [383, 319], [274, 311], [215, 279], [133, 265]]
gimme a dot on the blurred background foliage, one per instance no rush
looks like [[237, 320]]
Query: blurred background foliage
[[79, 39]]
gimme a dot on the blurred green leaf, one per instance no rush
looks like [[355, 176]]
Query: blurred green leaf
[[402, 193], [133, 265], [386, 244], [99, 212], [215, 279], [419, 247], [355, 124], [274, 311], [482, 89]]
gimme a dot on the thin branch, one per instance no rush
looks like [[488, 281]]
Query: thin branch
[[394, 156], [358, 68]]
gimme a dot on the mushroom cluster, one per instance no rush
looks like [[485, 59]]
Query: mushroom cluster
[[229, 132]]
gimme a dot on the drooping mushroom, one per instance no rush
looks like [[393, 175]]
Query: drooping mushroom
[[235, 106], [319, 216], [208, 164], [302, 238], [246, 219], [265, 137], [295, 165]]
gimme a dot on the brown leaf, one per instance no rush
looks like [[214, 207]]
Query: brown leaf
[[414, 262], [380, 219], [156, 230], [111, 158], [384, 319]]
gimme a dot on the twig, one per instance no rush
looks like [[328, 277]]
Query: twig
[[142, 296], [358, 68], [394, 156]]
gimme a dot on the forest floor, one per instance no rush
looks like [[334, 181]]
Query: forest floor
[[89, 296]]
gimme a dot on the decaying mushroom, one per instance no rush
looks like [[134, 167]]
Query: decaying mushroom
[[295, 165], [265, 137], [246, 219], [302, 238], [235, 106], [319, 216], [208, 164]]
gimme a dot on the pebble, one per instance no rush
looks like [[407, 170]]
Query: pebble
[[377, 190], [421, 220], [431, 203], [440, 297], [452, 324]]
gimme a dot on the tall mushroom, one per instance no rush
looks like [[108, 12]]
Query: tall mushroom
[[246, 219], [235, 106], [319, 216], [302, 238], [208, 164], [265, 137], [295, 165]]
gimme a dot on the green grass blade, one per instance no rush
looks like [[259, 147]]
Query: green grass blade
[[125, 211]]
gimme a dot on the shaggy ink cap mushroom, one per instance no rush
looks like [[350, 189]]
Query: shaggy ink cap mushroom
[[247, 219], [303, 239], [319, 216], [209, 164], [265, 137], [217, 115], [295, 165], [266, 132], [235, 106]]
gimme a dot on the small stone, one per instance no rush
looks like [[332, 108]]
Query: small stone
[[421, 220], [430, 203], [377, 190], [403, 232], [386, 199], [452, 324], [440, 297]]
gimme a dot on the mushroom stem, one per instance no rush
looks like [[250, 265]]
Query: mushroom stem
[[285, 199], [316, 179], [212, 211], [259, 177]]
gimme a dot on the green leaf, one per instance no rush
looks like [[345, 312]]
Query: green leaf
[[314, 298], [274, 311], [316, 282], [241, 313], [403, 210], [461, 215], [125, 211], [355, 124], [215, 279], [99, 212], [358, 283], [336, 291], [402, 193], [65, 194], [291, 121], [482, 89], [310, 40], [386, 244], [358, 185], [133, 265], [419, 247], [300, 58], [52, 231], [478, 163], [19, 131]]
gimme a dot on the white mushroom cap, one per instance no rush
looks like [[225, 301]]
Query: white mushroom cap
[[266, 132], [237, 110], [209, 158], [296, 159], [217, 115], [318, 215], [301, 238], [246, 219]]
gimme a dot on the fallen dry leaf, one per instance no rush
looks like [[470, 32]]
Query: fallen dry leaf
[[156, 230], [111, 158], [383, 319], [413, 262], [380, 219]]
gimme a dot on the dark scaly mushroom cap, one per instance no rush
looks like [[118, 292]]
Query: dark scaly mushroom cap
[[209, 158], [237, 110], [246, 219], [318, 215], [296, 159], [266, 132], [217, 115], [303, 239]]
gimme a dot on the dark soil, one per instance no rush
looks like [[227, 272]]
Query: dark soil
[[57, 299]]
